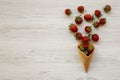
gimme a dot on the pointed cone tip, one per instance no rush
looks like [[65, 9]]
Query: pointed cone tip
[[86, 70]]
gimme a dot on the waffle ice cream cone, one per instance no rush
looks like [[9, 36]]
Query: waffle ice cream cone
[[85, 59]]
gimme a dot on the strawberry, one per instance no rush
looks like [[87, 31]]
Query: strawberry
[[81, 48], [68, 11], [96, 24], [80, 9], [73, 28], [85, 39], [95, 37], [78, 36], [107, 8], [78, 20], [85, 46], [88, 17], [88, 29], [90, 49], [86, 52], [97, 13], [102, 21]]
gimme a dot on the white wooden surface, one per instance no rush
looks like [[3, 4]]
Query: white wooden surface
[[35, 43]]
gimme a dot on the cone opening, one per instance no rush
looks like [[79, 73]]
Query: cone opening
[[86, 51]]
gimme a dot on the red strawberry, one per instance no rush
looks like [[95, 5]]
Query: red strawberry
[[95, 37], [88, 29], [85, 39], [107, 8], [78, 20], [97, 13], [88, 17], [73, 28], [80, 9], [90, 49], [68, 11], [96, 24], [78, 36], [102, 21], [85, 46]]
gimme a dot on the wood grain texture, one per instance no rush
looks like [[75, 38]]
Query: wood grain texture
[[35, 43]]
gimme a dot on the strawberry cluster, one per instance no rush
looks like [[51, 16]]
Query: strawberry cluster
[[86, 47]]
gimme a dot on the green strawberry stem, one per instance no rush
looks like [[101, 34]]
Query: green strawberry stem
[[89, 35]]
